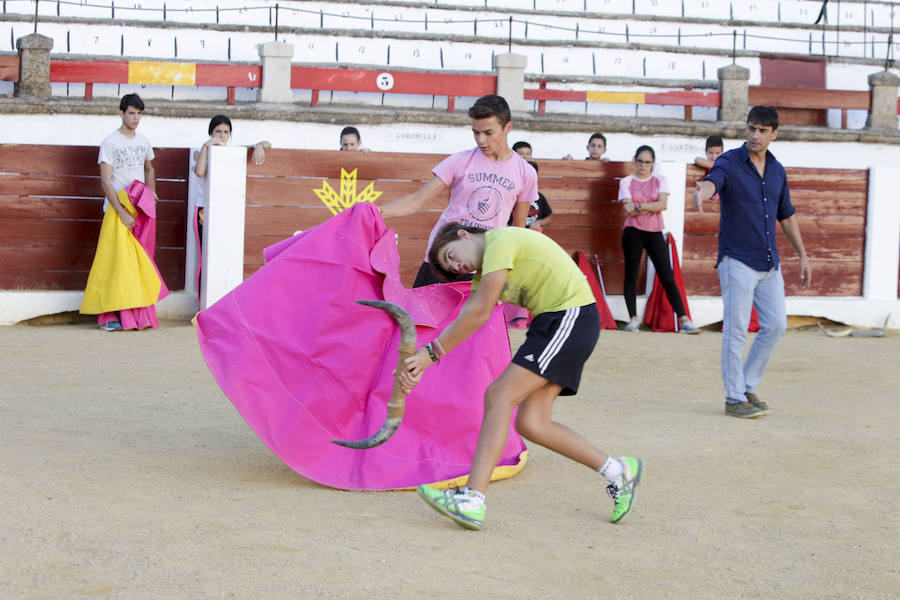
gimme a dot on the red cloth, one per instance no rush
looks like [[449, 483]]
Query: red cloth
[[754, 321], [659, 314], [606, 319]]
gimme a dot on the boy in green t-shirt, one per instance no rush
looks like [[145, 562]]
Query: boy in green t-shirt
[[529, 269]]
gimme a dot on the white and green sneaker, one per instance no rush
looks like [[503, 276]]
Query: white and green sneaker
[[621, 490], [461, 505]]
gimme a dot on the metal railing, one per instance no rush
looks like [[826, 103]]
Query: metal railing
[[492, 24]]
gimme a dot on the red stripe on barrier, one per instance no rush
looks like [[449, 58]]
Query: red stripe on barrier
[[558, 95], [394, 82], [92, 71], [229, 75], [680, 98]]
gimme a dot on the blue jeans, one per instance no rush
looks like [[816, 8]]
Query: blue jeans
[[742, 289]]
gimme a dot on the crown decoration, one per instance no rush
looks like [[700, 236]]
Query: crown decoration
[[339, 202]]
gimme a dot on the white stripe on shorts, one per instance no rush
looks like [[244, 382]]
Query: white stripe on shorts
[[559, 338]]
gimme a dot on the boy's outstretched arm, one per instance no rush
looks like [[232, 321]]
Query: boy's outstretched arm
[[413, 203]]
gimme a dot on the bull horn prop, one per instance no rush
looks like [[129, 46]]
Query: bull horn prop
[[398, 400]]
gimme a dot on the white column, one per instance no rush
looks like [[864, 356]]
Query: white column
[[673, 217], [882, 235], [276, 72], [223, 232], [190, 241]]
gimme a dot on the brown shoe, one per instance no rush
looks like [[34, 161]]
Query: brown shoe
[[755, 401], [742, 410]]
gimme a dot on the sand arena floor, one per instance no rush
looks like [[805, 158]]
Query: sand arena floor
[[127, 474]]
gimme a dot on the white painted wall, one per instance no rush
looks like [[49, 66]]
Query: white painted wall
[[882, 235]]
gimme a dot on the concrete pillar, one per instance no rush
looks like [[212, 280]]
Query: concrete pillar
[[223, 231], [882, 234], [883, 102], [191, 248], [734, 88], [510, 70], [34, 66], [276, 72]]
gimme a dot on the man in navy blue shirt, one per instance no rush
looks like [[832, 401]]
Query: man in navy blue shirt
[[753, 194]]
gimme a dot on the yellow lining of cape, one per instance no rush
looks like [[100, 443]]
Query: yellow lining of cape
[[122, 275], [501, 472]]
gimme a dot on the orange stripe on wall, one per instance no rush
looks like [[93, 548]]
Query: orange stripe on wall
[[616, 97]]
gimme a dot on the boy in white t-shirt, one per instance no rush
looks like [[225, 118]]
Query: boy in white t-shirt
[[125, 156], [487, 183]]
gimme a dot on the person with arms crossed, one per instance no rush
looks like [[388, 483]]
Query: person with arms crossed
[[644, 196], [487, 183], [753, 194]]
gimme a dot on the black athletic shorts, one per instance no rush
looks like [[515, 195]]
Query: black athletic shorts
[[559, 343]]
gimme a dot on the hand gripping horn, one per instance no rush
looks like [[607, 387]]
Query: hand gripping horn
[[398, 400]]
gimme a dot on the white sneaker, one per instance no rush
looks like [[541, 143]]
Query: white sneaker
[[687, 326]]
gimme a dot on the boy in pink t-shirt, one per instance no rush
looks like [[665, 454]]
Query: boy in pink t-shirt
[[487, 183]]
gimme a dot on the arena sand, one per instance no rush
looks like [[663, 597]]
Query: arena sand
[[127, 474]]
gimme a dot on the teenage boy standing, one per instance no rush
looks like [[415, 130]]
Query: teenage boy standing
[[125, 156], [487, 183], [753, 193]]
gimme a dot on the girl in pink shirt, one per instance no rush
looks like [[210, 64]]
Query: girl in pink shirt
[[644, 196]]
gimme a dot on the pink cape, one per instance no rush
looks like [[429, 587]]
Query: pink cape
[[304, 364]]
